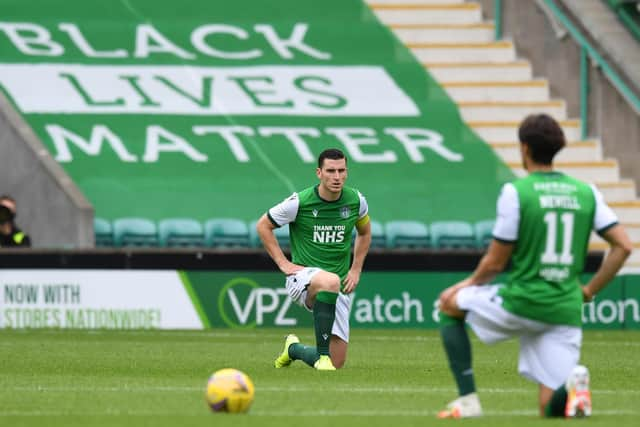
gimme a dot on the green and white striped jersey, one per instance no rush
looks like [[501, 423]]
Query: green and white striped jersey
[[321, 231], [549, 217]]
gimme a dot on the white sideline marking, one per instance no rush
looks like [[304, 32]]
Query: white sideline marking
[[342, 389]]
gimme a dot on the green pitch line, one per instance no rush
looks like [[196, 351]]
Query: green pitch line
[[101, 378]]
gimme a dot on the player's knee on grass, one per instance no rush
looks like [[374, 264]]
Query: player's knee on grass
[[338, 350]]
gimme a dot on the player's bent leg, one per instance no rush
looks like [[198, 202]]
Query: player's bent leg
[[322, 295], [322, 281], [545, 397], [338, 350]]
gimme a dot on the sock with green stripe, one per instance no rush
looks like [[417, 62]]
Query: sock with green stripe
[[556, 406], [455, 340], [307, 354], [324, 313]]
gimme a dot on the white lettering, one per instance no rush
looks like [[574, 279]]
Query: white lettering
[[174, 144], [412, 303], [281, 320], [99, 134], [149, 40], [348, 136], [242, 314], [228, 133], [389, 315], [81, 42], [263, 295], [294, 135], [413, 139], [38, 42], [295, 41], [199, 35]]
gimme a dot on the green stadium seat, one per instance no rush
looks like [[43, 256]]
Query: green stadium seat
[[281, 233], [174, 232], [452, 234], [103, 232], [134, 232], [407, 234], [484, 233], [226, 232], [378, 239]]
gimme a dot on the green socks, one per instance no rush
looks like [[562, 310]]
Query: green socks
[[308, 355], [324, 313], [458, 348], [556, 406]]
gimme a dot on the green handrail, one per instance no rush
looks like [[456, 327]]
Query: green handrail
[[586, 51], [626, 12], [498, 19]]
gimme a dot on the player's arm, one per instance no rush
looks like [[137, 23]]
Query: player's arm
[[360, 250], [620, 249], [605, 222], [505, 235], [492, 263], [281, 214]]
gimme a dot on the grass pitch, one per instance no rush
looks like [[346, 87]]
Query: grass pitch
[[392, 378]]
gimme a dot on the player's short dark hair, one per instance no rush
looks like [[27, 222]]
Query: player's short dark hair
[[331, 153], [543, 135]]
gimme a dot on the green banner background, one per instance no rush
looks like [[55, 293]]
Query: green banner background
[[382, 300], [222, 186]]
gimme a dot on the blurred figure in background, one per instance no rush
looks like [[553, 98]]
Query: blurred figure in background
[[10, 234]]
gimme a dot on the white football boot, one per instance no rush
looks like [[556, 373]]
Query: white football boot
[[463, 407], [578, 393]]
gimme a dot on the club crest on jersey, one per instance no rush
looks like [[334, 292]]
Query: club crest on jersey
[[315, 213], [345, 211]]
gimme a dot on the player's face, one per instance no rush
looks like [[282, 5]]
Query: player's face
[[332, 174]]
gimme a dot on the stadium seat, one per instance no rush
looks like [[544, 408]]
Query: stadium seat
[[484, 233], [180, 232], [226, 232], [281, 233], [103, 232], [407, 234], [378, 239], [134, 232], [452, 234]]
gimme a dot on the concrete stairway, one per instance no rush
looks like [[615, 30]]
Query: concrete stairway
[[495, 90]]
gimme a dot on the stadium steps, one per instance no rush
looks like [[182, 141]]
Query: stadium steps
[[451, 72], [600, 171], [427, 12], [500, 51], [536, 90], [434, 33], [506, 131], [509, 111], [579, 151], [495, 90]]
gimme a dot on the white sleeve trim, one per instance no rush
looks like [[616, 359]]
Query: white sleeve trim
[[286, 211], [604, 215], [364, 207], [508, 214]]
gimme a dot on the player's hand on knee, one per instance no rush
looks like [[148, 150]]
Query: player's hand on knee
[[351, 282], [289, 268]]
